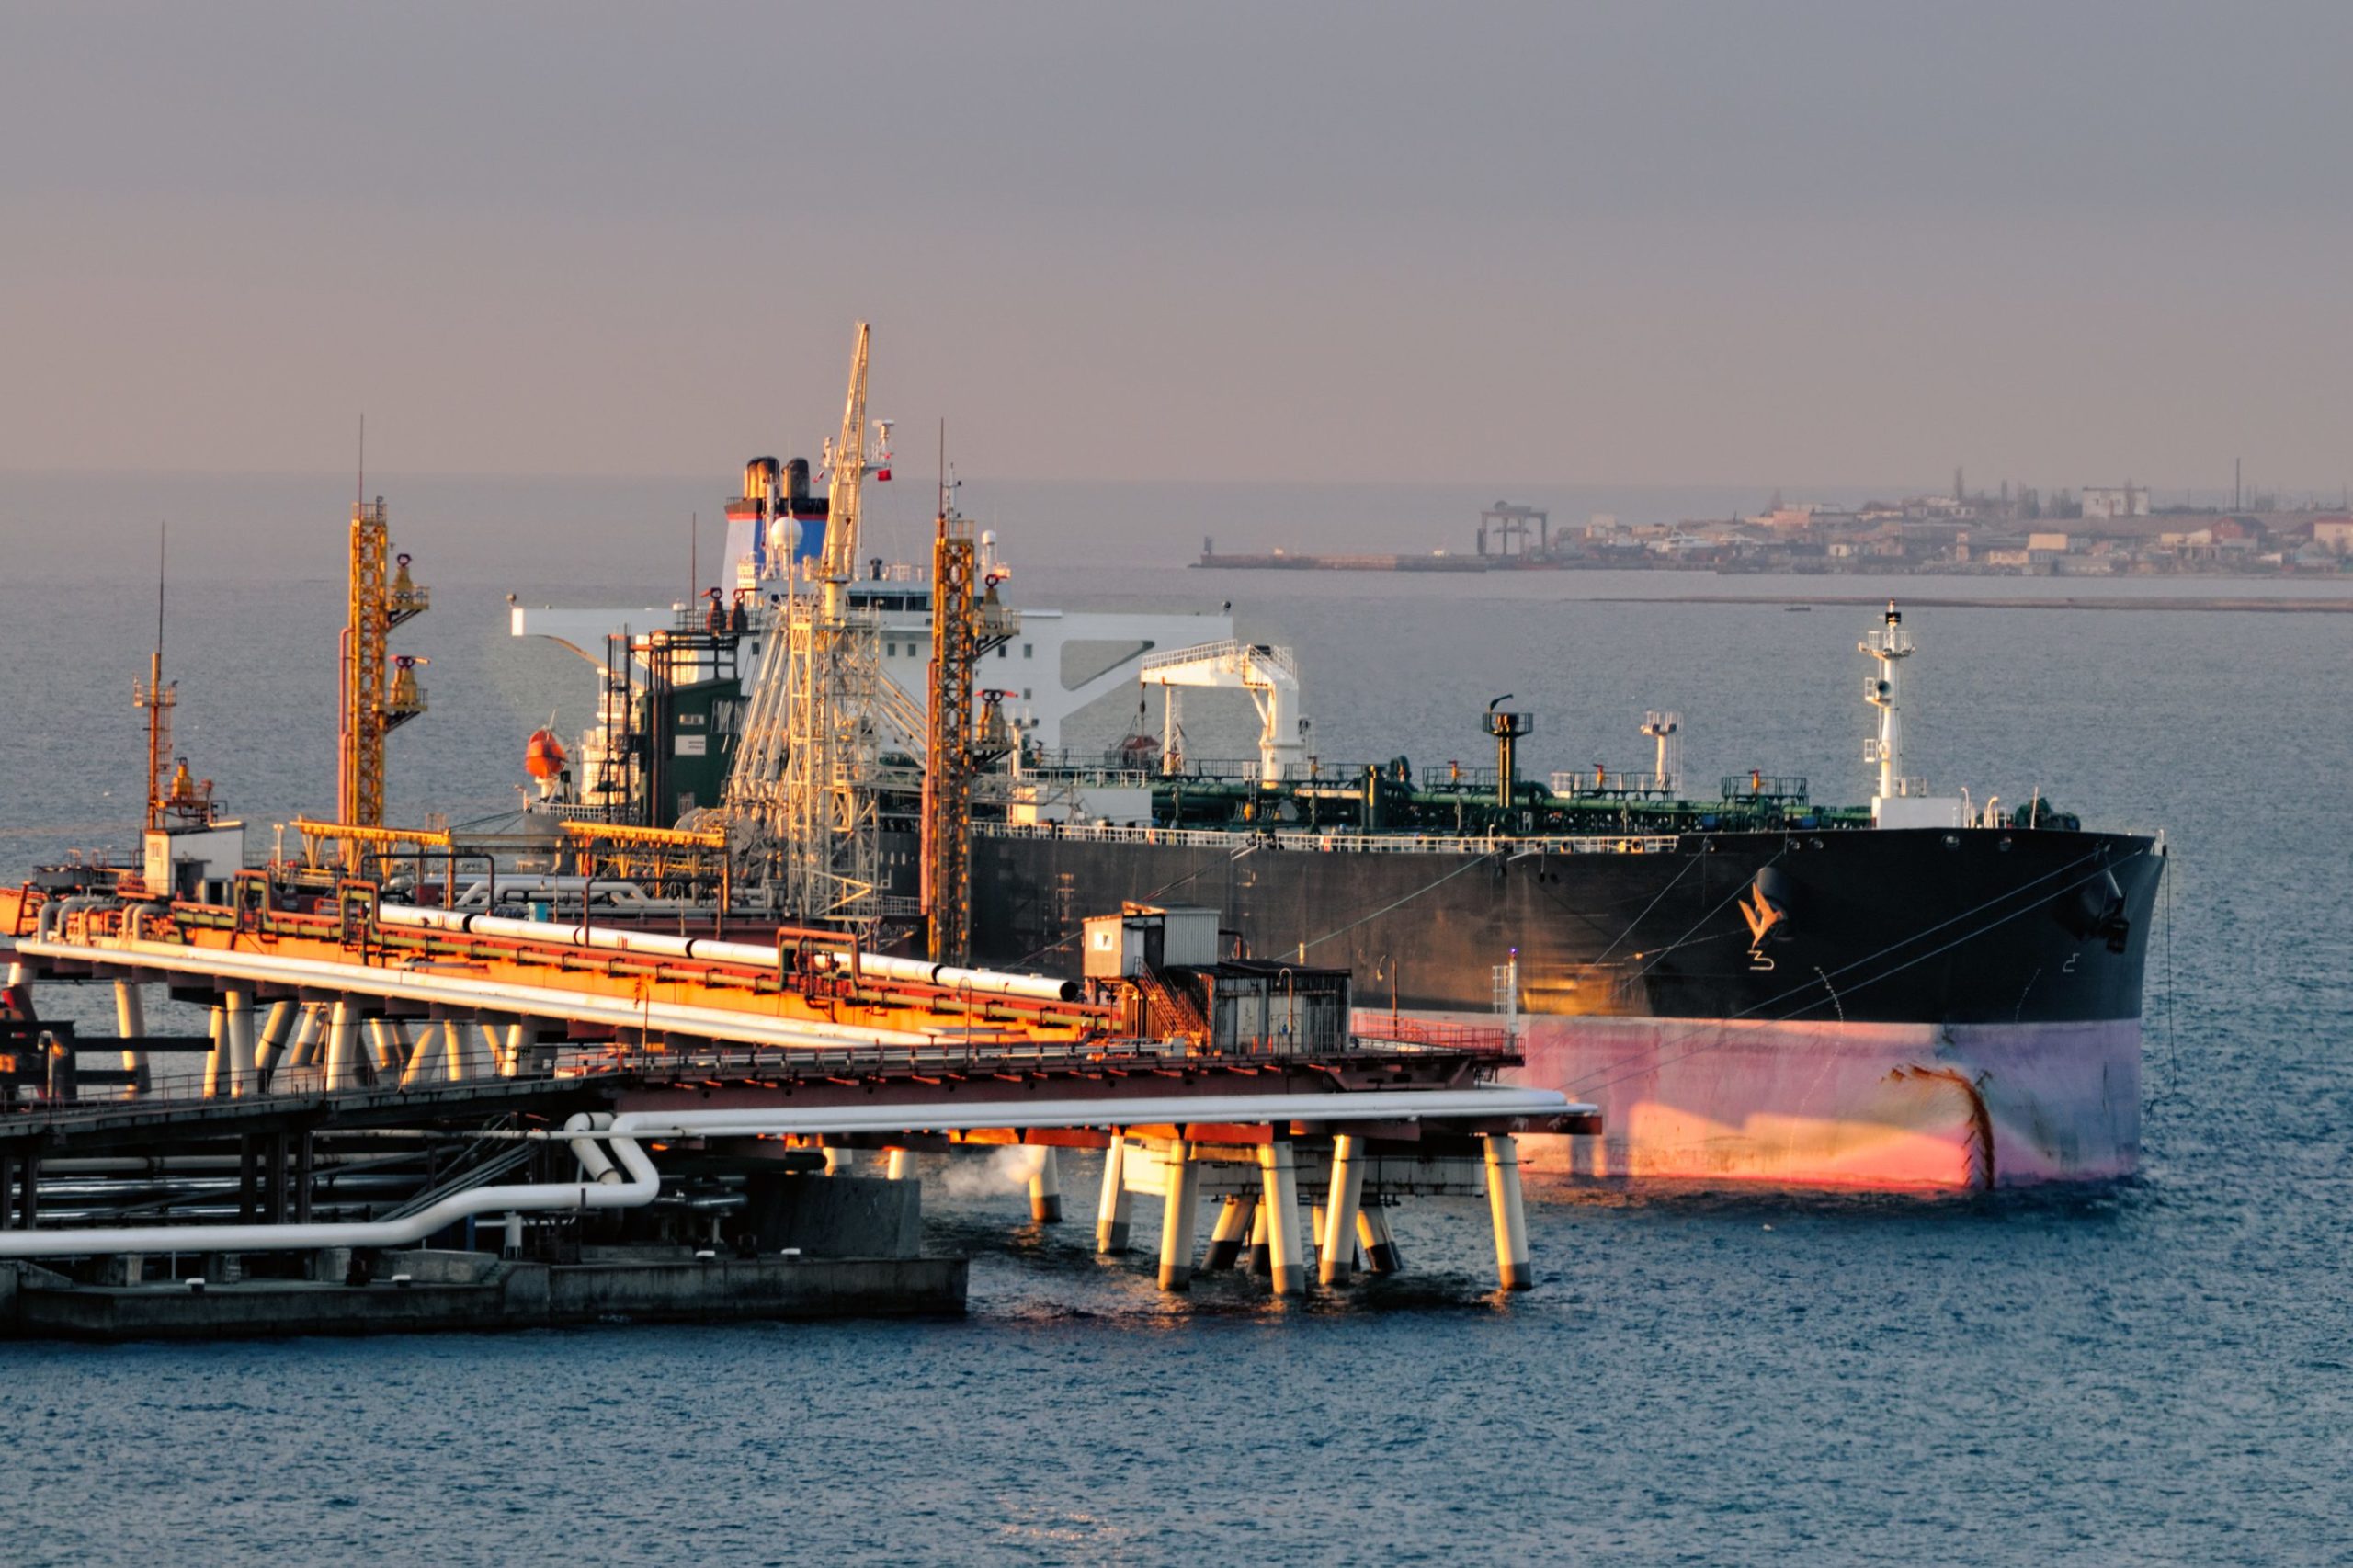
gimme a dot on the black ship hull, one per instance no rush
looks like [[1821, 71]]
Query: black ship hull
[[1888, 1008]]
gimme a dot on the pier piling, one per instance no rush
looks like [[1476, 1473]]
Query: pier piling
[[1111, 1224], [1046, 1187], [1504, 1202], [1343, 1205], [1280, 1207], [1183, 1192]]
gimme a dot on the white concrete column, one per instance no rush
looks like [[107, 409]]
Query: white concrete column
[[511, 1244], [1112, 1228], [237, 1022], [1381, 1253], [131, 1023], [899, 1164], [1232, 1228], [1259, 1259], [17, 974], [302, 1050], [214, 1079], [1510, 1217], [270, 1049], [423, 1067], [382, 1051], [1343, 1206], [476, 1052], [1046, 1187], [510, 1052], [840, 1161], [343, 1045], [1281, 1210], [1184, 1186], [1315, 1234]]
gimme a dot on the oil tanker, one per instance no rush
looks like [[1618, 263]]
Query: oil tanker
[[1922, 992]]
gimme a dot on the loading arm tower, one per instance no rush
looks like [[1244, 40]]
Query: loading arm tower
[[377, 698]]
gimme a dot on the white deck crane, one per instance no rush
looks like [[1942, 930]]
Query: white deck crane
[[1269, 675]]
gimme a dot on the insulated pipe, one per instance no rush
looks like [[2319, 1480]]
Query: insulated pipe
[[947, 977], [1339, 1238], [1279, 1109], [643, 1184], [591, 1159], [1111, 1227], [1046, 1187], [1510, 1217], [1182, 1179], [429, 987]]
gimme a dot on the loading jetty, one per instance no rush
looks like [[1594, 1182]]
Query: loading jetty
[[406, 1119]]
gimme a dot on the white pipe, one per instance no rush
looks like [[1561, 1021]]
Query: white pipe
[[645, 1183], [655, 944], [458, 992], [1337, 1108]]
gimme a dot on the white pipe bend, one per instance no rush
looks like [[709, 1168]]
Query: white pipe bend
[[642, 1185]]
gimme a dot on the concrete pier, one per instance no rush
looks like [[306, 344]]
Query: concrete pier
[[343, 1045], [1234, 1220], [1111, 1222], [480, 1291], [1503, 1201], [131, 1023], [1281, 1206], [1379, 1247], [1339, 1238], [1183, 1179], [1046, 1187]]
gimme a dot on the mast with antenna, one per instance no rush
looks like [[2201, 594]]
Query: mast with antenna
[[158, 697]]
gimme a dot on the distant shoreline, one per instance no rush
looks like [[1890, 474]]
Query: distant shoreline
[[2143, 601]]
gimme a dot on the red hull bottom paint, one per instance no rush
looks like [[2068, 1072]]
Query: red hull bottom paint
[[1893, 1107]]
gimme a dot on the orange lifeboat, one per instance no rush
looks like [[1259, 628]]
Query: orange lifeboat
[[543, 756]]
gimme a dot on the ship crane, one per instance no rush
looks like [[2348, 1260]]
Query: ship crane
[[804, 781], [1269, 675]]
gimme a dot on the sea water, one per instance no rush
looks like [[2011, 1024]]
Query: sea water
[[2154, 1372]]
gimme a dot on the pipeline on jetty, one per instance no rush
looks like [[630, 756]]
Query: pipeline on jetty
[[686, 1117]]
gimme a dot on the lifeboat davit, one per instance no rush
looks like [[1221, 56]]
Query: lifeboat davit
[[543, 756]]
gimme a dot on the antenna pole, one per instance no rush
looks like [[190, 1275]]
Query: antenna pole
[[694, 565], [360, 490]]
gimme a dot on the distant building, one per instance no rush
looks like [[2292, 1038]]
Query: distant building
[[2334, 535], [2113, 501]]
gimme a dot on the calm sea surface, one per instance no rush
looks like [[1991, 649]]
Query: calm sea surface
[[2159, 1372]]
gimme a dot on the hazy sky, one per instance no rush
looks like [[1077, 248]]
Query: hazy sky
[[1629, 244]]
